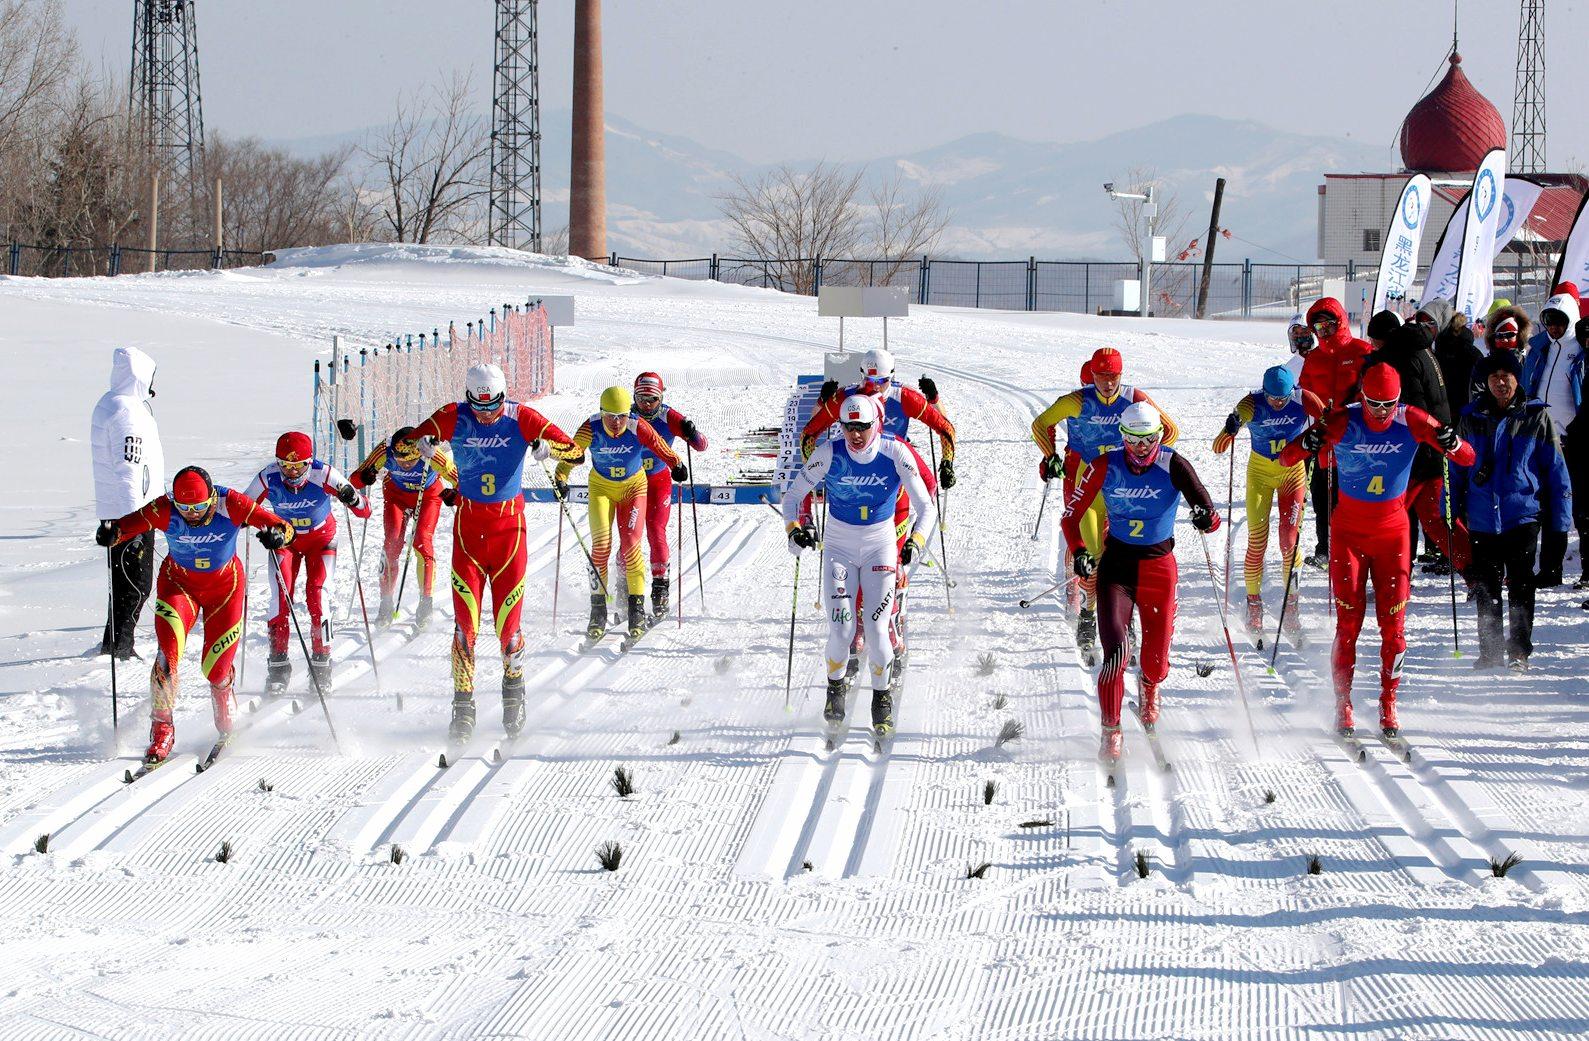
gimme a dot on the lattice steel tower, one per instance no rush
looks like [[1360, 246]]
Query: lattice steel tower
[[1528, 108], [165, 105], [515, 219]]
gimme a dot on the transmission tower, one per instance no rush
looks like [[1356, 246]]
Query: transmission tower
[[164, 103], [1528, 109], [516, 130]]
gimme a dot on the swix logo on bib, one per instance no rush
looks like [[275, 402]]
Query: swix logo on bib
[[489, 456], [862, 493], [1272, 429], [414, 477], [615, 458], [305, 507], [660, 424], [203, 547], [1097, 429], [1373, 466], [1141, 506]]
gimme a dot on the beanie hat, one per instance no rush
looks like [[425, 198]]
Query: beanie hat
[[1382, 383], [1106, 361], [1500, 361], [294, 447], [1279, 382], [192, 486], [648, 383], [1383, 324]]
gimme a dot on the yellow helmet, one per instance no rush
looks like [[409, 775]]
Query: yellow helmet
[[616, 400]]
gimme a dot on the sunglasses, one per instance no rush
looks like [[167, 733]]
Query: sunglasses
[[1505, 336], [1381, 406], [487, 406], [193, 508], [406, 451], [1325, 323], [648, 400], [292, 468], [855, 428], [1141, 439]]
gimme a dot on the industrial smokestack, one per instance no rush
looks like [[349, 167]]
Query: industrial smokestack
[[587, 198]]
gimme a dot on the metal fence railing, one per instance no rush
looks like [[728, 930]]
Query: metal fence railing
[[1242, 289], [21, 258]]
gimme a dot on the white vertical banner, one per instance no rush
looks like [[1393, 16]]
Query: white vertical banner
[[1574, 264], [1475, 271], [1398, 262], [1441, 284], [1517, 202]]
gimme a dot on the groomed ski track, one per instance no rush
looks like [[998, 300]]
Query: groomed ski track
[[499, 921]]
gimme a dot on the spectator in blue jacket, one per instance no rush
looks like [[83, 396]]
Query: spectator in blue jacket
[[1516, 486], [1553, 373]]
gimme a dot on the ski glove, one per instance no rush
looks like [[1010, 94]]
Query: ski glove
[[560, 490], [540, 450], [349, 495], [911, 548], [367, 476], [274, 538], [108, 533], [1084, 564], [929, 389], [801, 538], [449, 496], [1446, 437], [691, 433], [829, 390], [1222, 443], [1313, 439], [1051, 467], [1233, 424], [1204, 519], [680, 472], [946, 474]]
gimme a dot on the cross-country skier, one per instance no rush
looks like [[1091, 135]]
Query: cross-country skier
[[489, 436], [302, 488], [669, 423], [201, 574], [413, 492], [618, 442], [863, 473], [1273, 414], [1140, 486], [1072, 473], [1374, 441], [1330, 372], [1096, 410], [899, 404]]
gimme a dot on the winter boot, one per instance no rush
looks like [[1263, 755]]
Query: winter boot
[[1087, 635], [833, 711], [1149, 705], [423, 612], [221, 708], [638, 620], [320, 671], [1343, 715], [162, 735], [1255, 614], [461, 729], [513, 705], [383, 612], [598, 618], [1320, 558], [278, 671], [882, 712], [1293, 624], [659, 595], [1111, 744]]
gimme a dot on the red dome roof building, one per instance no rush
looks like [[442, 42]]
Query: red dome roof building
[[1452, 127]]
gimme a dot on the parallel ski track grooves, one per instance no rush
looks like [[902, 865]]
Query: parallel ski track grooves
[[1459, 844]]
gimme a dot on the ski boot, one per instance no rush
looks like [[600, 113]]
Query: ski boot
[[278, 671], [1343, 716], [1517, 663], [1111, 745], [598, 618], [162, 735], [423, 612], [221, 708], [1320, 558], [833, 712], [384, 611], [659, 595], [882, 716], [1148, 706], [1255, 615], [461, 729], [639, 621], [1293, 624], [513, 705], [1087, 636], [320, 670]]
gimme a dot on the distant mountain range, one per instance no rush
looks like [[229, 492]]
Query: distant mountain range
[[1008, 197]]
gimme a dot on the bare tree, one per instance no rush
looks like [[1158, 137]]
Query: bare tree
[[1170, 284], [788, 218], [902, 226], [273, 200], [556, 243], [430, 163], [37, 61]]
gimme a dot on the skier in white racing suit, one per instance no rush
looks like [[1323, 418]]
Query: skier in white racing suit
[[863, 472]]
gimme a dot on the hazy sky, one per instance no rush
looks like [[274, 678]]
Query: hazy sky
[[853, 79]]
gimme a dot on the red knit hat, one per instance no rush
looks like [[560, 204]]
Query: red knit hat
[[648, 383], [192, 486], [1086, 372], [1382, 383], [294, 447], [1106, 361]]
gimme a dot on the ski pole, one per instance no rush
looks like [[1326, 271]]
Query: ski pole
[[110, 604], [408, 515], [1230, 529], [369, 635], [242, 640], [1230, 645], [794, 609], [1291, 567], [1451, 543], [562, 504], [557, 570], [943, 556], [678, 562], [1042, 505], [292, 609], [695, 522], [1032, 600]]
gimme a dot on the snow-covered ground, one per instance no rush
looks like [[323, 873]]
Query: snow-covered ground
[[767, 890]]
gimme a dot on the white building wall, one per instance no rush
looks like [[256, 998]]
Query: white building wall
[[1350, 205]]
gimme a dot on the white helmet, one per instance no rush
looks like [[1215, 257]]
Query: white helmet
[[485, 388], [877, 365], [859, 408], [1140, 420]]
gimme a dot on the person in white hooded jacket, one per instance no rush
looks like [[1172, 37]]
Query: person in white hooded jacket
[[129, 472], [1553, 372]]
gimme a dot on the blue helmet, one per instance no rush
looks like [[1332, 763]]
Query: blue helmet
[[1279, 382]]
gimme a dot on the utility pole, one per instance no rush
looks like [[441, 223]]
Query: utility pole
[[1208, 251]]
